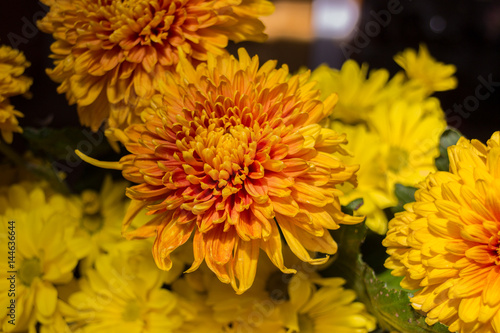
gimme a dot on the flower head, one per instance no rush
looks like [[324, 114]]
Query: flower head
[[330, 308], [358, 95], [34, 224], [409, 139], [446, 243], [101, 211], [232, 153], [277, 302], [422, 67], [360, 92], [12, 83], [373, 185], [219, 309], [108, 54], [124, 293], [404, 143], [400, 120]]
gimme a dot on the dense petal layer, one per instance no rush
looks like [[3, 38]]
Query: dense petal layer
[[231, 153], [109, 55], [448, 241]]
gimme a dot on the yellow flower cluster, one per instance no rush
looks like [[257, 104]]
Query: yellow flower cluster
[[119, 288], [40, 230], [12, 83], [446, 243], [393, 126], [229, 156], [281, 303]]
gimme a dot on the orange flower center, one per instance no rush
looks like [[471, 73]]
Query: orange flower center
[[494, 247], [226, 155]]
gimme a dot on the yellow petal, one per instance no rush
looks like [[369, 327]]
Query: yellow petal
[[272, 247], [97, 163], [244, 265], [46, 300]]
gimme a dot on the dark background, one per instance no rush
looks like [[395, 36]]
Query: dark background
[[470, 39]]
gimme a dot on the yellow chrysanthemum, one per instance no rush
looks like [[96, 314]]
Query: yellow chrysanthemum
[[253, 311], [372, 175], [422, 67], [446, 244], [215, 307], [258, 310], [44, 254], [108, 54], [404, 142], [358, 95], [330, 308], [233, 154], [191, 293], [399, 119], [124, 294], [12, 83], [102, 216], [409, 140], [280, 303]]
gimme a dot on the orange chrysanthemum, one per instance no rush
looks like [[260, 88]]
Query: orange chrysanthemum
[[233, 153], [108, 53], [446, 244]]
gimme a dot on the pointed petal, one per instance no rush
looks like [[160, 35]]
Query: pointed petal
[[244, 265]]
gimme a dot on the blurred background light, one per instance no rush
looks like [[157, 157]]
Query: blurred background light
[[335, 19]]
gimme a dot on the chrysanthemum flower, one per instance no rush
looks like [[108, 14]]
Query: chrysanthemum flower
[[218, 309], [358, 95], [44, 249], [409, 140], [233, 154], [399, 119], [101, 217], [372, 187], [281, 303], [191, 292], [422, 67], [330, 308], [404, 142], [12, 83], [124, 294], [107, 54], [446, 244]]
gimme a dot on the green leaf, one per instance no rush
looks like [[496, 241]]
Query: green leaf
[[59, 144], [405, 194], [352, 206], [448, 138], [390, 306], [392, 282]]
